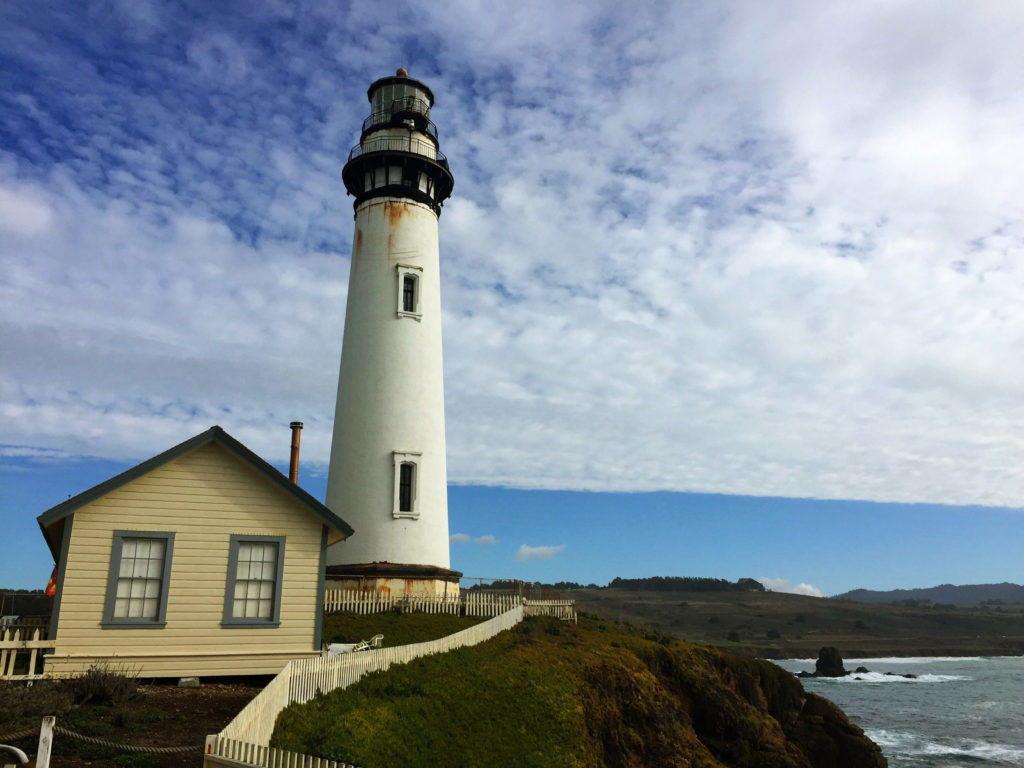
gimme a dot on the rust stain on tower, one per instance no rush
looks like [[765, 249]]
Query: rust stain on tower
[[396, 211]]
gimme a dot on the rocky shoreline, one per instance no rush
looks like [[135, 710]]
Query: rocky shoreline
[[830, 664]]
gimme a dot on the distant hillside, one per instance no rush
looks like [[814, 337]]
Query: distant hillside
[[653, 583], [778, 625], [948, 594]]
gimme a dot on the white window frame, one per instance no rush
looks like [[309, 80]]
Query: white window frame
[[417, 272], [400, 458]]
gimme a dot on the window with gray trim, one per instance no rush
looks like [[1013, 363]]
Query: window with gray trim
[[137, 583], [253, 591]]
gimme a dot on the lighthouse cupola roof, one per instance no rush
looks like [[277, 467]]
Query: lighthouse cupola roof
[[401, 85], [398, 154]]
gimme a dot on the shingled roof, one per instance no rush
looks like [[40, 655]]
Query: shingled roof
[[214, 434]]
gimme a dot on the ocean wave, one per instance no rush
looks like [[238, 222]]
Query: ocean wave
[[918, 659], [899, 743], [878, 677], [900, 660]]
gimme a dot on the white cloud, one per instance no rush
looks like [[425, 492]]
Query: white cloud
[[23, 212], [36, 454], [459, 538], [735, 254], [784, 585], [485, 539], [526, 552]]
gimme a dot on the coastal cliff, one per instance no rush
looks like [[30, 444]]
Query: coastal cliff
[[598, 694]]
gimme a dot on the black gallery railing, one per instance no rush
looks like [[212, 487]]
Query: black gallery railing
[[398, 144]]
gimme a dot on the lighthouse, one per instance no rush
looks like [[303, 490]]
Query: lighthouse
[[387, 473]]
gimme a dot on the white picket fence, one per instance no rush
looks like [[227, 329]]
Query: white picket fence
[[12, 642], [560, 609], [232, 752], [470, 603]]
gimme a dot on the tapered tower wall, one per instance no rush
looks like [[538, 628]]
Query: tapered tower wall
[[391, 391], [390, 405]]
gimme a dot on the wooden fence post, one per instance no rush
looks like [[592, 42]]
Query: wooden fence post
[[45, 742]]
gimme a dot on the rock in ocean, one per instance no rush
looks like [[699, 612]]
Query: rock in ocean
[[830, 663]]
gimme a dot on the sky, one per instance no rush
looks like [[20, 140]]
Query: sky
[[730, 289]]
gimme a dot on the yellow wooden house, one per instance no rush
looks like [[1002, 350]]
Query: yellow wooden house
[[202, 561]]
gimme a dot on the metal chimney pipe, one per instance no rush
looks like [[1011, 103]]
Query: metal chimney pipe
[[293, 469]]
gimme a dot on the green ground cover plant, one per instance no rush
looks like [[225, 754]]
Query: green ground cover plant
[[398, 628], [551, 694]]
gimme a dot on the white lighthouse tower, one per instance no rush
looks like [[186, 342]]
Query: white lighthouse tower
[[387, 474]]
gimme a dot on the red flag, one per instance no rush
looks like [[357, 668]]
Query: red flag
[[51, 585]]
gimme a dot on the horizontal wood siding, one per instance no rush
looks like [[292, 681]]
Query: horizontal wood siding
[[204, 497], [187, 665]]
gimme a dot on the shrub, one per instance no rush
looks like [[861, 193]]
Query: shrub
[[733, 636], [773, 634], [20, 703], [103, 684]]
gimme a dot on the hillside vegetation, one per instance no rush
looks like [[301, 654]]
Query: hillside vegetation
[[398, 628], [943, 594], [776, 625], [552, 694]]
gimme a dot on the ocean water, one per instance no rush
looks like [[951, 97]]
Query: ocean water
[[958, 713]]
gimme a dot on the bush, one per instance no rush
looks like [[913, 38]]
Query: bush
[[21, 703], [104, 685], [733, 636], [773, 634]]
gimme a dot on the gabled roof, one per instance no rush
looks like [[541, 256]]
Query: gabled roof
[[213, 435]]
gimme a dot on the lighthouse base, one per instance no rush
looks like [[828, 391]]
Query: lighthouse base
[[395, 579]]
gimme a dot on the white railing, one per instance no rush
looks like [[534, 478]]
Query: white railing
[[469, 603], [231, 752], [560, 609], [12, 641], [359, 601]]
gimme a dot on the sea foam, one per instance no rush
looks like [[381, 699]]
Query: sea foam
[[878, 677], [910, 745]]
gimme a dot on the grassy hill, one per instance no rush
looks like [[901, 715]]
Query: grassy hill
[[944, 594], [776, 625], [550, 694]]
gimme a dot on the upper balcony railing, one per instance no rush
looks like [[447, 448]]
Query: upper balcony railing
[[398, 144], [407, 105]]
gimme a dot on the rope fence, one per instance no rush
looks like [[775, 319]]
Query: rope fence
[[119, 745]]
